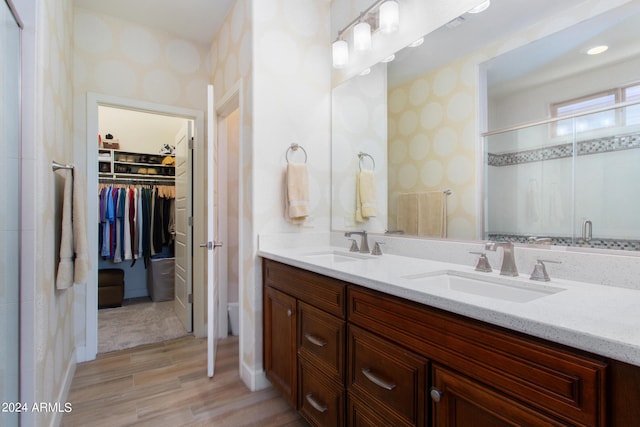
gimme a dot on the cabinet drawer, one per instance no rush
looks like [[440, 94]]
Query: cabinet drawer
[[323, 292], [321, 340], [361, 414], [387, 375], [565, 383], [320, 400]]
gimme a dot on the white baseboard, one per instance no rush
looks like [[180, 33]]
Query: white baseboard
[[254, 380], [63, 395]]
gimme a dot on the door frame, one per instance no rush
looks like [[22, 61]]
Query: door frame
[[233, 100], [90, 315]]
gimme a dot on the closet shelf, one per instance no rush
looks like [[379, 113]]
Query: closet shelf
[[133, 165]]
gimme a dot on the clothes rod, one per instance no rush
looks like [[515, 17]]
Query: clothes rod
[[139, 181]]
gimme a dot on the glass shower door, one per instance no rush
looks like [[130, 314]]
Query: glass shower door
[[607, 196], [9, 215]]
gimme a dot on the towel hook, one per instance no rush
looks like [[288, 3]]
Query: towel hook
[[361, 155], [294, 147]]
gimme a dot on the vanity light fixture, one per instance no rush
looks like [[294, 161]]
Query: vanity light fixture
[[389, 16], [383, 15], [596, 50], [340, 49], [362, 36], [480, 8]]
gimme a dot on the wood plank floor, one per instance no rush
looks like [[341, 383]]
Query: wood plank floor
[[166, 384]]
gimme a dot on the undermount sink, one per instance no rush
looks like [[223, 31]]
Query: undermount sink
[[498, 288], [336, 256]]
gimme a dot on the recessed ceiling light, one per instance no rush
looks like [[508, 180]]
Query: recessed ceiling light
[[417, 42], [365, 71], [597, 49], [480, 8], [389, 58]]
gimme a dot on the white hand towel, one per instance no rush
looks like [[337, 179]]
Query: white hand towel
[[297, 192], [365, 195], [64, 277], [81, 263]]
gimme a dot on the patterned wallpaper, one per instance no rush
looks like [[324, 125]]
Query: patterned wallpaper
[[432, 142], [54, 340], [291, 103]]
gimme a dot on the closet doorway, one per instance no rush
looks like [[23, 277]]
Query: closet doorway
[[143, 285], [130, 157]]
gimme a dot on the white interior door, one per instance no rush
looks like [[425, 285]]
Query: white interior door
[[183, 284], [212, 284]]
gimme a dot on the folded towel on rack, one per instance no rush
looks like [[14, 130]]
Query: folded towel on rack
[[64, 276], [81, 262], [365, 195], [432, 214], [407, 213], [296, 192]]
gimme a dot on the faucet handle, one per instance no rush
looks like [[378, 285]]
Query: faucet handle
[[354, 246], [483, 263], [377, 250], [539, 272]]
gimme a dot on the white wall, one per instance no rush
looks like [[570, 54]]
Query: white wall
[[138, 131], [359, 124]]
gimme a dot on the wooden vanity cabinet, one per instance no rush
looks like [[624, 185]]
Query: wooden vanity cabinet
[[280, 342], [346, 355], [310, 341], [534, 377]]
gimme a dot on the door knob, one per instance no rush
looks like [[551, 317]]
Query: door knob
[[436, 394], [211, 245]]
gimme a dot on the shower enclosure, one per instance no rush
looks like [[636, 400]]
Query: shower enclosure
[[567, 181], [9, 214]]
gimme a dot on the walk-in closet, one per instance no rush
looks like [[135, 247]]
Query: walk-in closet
[[137, 226]]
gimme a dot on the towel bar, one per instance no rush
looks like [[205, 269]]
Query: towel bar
[[56, 166], [294, 147]]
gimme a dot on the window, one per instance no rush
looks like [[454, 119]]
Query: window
[[601, 120]]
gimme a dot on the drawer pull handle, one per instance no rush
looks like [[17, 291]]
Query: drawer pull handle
[[436, 394], [316, 405], [314, 340], [377, 380]]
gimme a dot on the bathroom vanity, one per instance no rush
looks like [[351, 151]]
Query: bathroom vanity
[[348, 350]]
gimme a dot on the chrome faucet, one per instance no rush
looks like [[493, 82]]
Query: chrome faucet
[[364, 244], [508, 257]]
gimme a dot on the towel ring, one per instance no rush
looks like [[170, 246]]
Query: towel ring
[[361, 155], [294, 147]]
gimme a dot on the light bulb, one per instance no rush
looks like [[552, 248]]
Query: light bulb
[[389, 16], [362, 37], [340, 54]]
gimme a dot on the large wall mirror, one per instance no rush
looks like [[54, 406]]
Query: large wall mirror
[[421, 118]]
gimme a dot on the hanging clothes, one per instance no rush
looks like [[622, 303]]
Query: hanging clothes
[[134, 221]]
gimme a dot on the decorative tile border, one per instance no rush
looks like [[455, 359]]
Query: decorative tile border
[[617, 244], [561, 151]]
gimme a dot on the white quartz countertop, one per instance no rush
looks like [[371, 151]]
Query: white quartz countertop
[[604, 320]]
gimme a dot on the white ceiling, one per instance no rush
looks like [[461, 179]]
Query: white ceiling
[[446, 44], [195, 20]]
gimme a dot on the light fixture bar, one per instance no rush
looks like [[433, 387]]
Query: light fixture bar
[[360, 17]]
